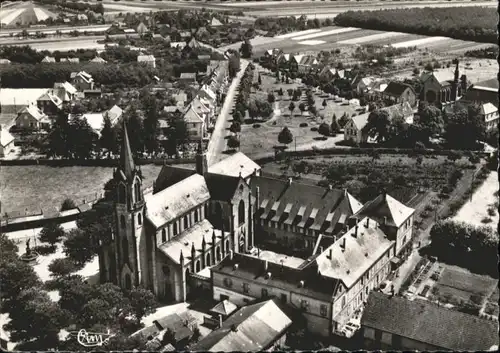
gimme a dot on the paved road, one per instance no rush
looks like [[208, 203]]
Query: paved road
[[217, 144]]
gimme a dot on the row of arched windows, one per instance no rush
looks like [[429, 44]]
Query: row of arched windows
[[186, 222]]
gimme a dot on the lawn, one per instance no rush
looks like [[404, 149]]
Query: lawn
[[457, 286], [264, 138], [44, 187], [365, 178]]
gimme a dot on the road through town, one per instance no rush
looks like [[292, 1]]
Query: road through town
[[217, 143]]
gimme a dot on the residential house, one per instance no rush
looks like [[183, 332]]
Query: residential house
[[215, 22], [185, 35], [65, 91], [49, 103], [188, 77], [207, 93], [82, 81], [294, 215], [483, 92], [204, 57], [328, 74], [142, 29], [194, 44], [327, 289], [48, 59], [31, 117], [303, 63], [182, 324], [148, 60], [398, 92], [12, 100], [114, 114], [490, 115], [396, 323], [98, 60], [354, 129], [402, 110], [195, 124], [4, 61], [257, 327], [82, 17], [6, 142], [96, 120]]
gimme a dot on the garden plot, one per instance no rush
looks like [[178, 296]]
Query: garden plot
[[483, 209]]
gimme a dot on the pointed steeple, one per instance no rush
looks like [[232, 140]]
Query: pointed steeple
[[126, 159]]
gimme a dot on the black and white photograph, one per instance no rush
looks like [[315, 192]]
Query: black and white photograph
[[249, 175]]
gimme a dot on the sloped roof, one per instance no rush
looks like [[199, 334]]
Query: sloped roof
[[188, 75], [252, 328], [360, 120], [176, 322], [98, 59], [387, 206], [429, 323], [234, 164], [488, 108], [68, 87], [5, 137], [145, 58], [170, 175], [224, 308], [395, 88], [192, 116], [189, 237], [49, 59], [491, 84], [175, 201], [114, 113], [221, 187], [403, 109], [303, 205], [34, 112], [215, 22], [84, 75], [4, 61], [359, 254]]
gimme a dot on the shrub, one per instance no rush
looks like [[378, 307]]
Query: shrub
[[491, 211], [303, 125], [486, 220], [314, 128], [62, 267], [45, 249], [255, 126], [68, 204]]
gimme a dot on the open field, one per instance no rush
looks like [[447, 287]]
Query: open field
[[262, 139], [328, 38], [44, 187], [474, 212]]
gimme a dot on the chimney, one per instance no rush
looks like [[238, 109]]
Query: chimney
[[367, 222], [342, 244], [235, 267], [290, 181], [266, 265], [355, 234], [220, 320], [268, 275], [385, 220], [158, 326], [230, 254]]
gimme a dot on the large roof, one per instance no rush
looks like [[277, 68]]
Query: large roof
[[360, 121], [185, 241], [175, 201], [304, 280], [396, 88], [175, 322], [234, 165], [303, 205], [225, 308], [252, 328], [222, 187], [488, 108], [429, 323], [386, 206], [192, 116], [5, 138], [352, 255], [170, 175], [34, 112], [489, 84]]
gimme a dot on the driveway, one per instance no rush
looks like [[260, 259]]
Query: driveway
[[217, 143]]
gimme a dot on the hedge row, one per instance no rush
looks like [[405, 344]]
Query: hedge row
[[91, 162]]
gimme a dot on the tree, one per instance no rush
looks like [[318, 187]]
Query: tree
[[96, 311], [259, 80], [38, 320], [431, 122], [59, 135], [142, 302], [151, 122], [285, 136], [178, 133], [135, 130], [83, 137], [235, 127], [68, 204], [79, 247], [464, 127], [246, 49], [343, 120], [270, 97], [302, 167], [62, 267], [108, 136], [51, 233], [280, 92], [234, 65], [324, 129], [291, 107], [233, 142], [324, 104], [335, 127], [302, 108], [237, 116], [378, 125], [290, 92]]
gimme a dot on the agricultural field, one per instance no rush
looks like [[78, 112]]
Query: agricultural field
[[399, 175], [255, 141], [44, 187], [459, 287]]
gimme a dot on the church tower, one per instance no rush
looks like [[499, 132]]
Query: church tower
[[201, 159], [129, 207]]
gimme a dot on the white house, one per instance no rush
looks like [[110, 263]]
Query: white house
[[490, 115], [6, 141], [147, 60]]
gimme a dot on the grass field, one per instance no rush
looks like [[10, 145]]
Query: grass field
[[43, 187], [457, 285], [264, 138]]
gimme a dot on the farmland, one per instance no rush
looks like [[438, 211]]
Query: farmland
[[264, 138], [43, 187]]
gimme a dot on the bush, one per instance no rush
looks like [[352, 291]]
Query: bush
[[303, 125], [62, 267], [45, 249], [314, 128], [256, 126], [486, 220]]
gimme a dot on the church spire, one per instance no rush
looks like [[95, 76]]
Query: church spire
[[126, 160], [201, 159]]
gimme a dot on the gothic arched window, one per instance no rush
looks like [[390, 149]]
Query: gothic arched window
[[196, 215], [208, 260], [241, 212], [122, 194], [186, 222], [128, 282], [163, 235]]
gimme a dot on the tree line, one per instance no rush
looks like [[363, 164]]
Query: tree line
[[466, 23], [78, 6]]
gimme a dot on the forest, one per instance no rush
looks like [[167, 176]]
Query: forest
[[466, 23]]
